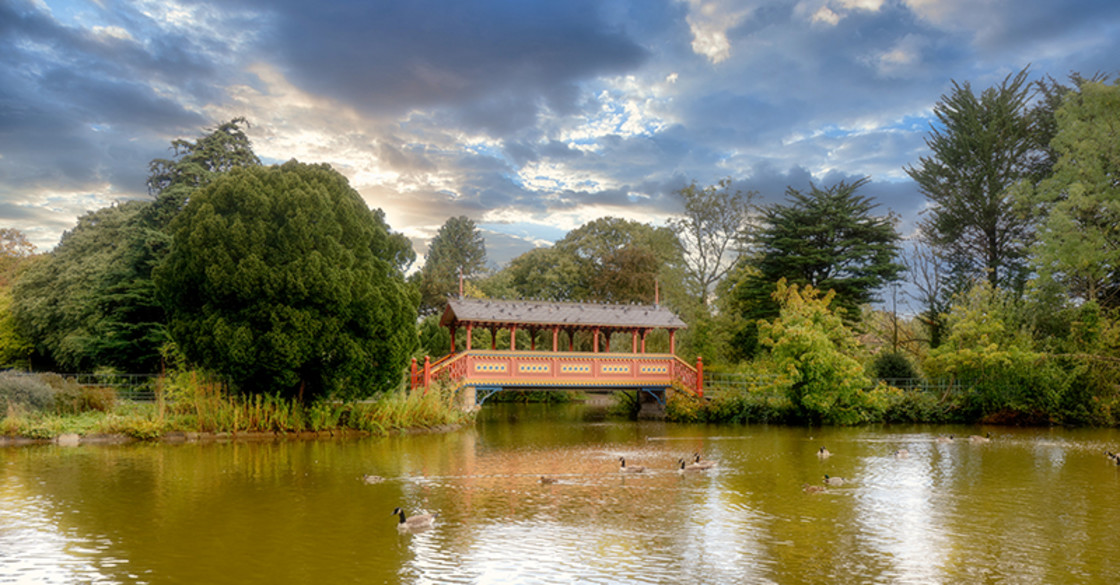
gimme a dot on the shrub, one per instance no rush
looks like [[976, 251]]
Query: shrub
[[892, 365], [26, 391]]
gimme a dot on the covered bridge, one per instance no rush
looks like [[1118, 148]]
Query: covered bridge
[[551, 359]]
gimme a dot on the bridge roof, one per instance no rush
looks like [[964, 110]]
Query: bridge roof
[[548, 313]]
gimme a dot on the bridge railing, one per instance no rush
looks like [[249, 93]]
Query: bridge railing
[[521, 368]]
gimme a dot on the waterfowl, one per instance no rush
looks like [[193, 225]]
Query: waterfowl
[[699, 464], [1114, 456], [623, 469], [823, 453], [987, 438], [833, 480], [943, 439], [418, 522], [813, 489], [903, 453], [546, 480], [371, 479], [689, 467]]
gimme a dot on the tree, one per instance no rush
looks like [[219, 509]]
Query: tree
[[826, 238], [280, 280], [928, 271], [980, 148], [61, 302], [194, 164], [714, 230], [457, 249], [609, 259], [816, 352], [1079, 229], [618, 260]]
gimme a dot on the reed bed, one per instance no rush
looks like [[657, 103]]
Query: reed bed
[[190, 402]]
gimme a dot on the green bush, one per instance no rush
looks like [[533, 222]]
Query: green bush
[[892, 365], [27, 391]]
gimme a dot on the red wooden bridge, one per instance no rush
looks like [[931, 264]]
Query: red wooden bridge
[[487, 371]]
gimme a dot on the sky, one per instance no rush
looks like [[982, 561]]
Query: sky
[[530, 118]]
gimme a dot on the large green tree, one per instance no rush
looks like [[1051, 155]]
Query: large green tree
[[980, 146], [281, 279], [64, 304], [609, 259], [458, 249], [90, 302], [829, 239], [1079, 230]]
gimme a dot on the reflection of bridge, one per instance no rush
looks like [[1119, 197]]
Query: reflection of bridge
[[493, 370]]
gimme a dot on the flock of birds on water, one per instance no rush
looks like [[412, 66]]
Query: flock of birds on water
[[422, 522]]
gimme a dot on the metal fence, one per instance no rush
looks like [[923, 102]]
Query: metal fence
[[720, 383], [133, 387]]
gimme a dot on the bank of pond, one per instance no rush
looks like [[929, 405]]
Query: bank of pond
[[49, 406]]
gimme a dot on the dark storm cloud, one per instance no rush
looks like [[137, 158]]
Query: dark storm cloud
[[496, 63]]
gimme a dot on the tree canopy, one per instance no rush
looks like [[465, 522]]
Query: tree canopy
[[981, 146], [1079, 231], [280, 280], [457, 249], [828, 239]]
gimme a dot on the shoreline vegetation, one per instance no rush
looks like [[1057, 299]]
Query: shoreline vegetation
[[189, 406]]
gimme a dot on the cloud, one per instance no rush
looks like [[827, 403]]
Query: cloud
[[530, 118]]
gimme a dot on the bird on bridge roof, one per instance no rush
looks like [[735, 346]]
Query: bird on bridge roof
[[633, 469]]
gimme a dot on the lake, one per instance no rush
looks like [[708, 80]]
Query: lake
[[1031, 506]]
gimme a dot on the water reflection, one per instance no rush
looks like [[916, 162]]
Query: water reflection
[[1030, 507]]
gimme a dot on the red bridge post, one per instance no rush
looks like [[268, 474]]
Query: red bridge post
[[427, 373], [700, 376]]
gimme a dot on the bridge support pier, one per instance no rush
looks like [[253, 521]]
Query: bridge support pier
[[651, 403]]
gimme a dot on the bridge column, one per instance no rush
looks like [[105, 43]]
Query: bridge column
[[555, 339], [595, 343], [513, 337], [452, 328], [644, 332], [634, 342], [470, 331], [700, 376], [427, 373], [672, 342]]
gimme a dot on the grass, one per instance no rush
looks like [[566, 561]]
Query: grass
[[189, 402]]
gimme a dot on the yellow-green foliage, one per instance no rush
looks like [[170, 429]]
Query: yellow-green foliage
[[979, 340], [816, 352]]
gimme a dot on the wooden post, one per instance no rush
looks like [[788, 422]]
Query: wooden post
[[427, 373], [595, 343], [700, 376], [644, 331], [452, 328], [513, 337], [672, 342], [412, 379], [470, 332], [556, 339], [634, 342]]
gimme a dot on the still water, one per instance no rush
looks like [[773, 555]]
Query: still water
[[1032, 506]]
